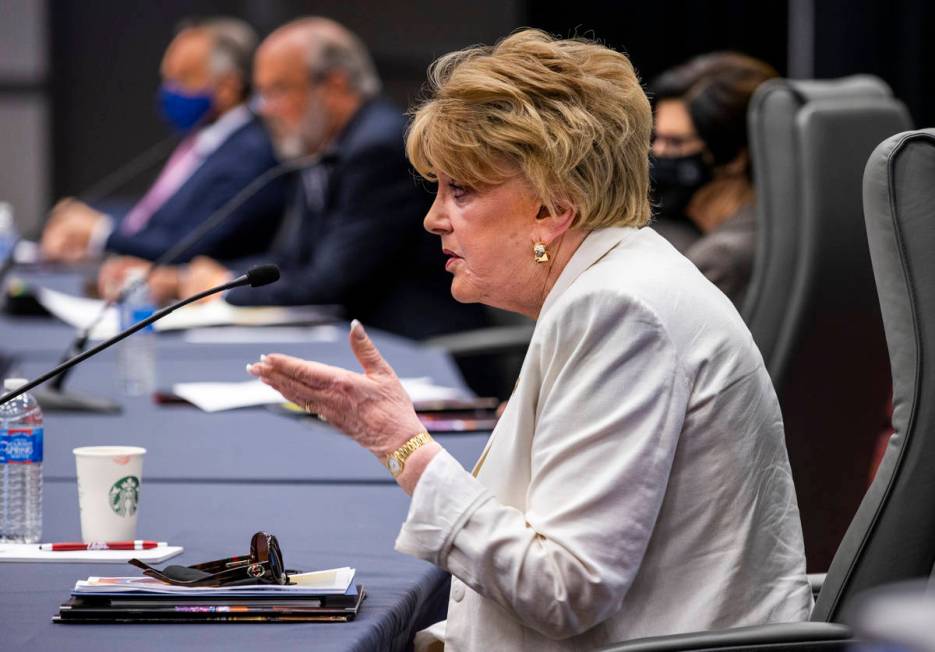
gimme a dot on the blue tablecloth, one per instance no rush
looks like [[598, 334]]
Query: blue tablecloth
[[211, 480], [318, 527], [250, 444]]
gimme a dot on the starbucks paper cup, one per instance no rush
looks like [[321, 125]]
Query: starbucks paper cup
[[109, 491]]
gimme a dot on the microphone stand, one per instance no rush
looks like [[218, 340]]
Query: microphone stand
[[55, 398]]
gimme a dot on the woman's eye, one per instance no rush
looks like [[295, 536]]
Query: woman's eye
[[457, 190]]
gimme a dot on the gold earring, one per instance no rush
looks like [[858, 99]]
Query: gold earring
[[539, 252]]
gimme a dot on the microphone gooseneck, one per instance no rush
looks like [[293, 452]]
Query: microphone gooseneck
[[257, 276]]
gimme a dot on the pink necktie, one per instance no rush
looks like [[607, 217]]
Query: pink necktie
[[178, 169]]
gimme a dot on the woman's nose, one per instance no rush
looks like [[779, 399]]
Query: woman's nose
[[435, 221]]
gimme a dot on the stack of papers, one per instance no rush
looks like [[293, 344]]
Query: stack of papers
[[322, 596], [335, 581]]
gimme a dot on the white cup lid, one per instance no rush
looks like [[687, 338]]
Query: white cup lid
[[108, 451]]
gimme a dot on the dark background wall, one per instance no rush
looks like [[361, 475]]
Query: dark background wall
[[105, 54], [893, 39], [660, 34]]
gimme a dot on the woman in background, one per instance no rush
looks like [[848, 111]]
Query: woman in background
[[702, 176]]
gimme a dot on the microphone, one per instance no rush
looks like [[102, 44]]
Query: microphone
[[54, 398], [256, 277], [261, 275]]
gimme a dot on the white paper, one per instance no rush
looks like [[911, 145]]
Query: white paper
[[221, 313], [215, 397], [79, 312], [334, 581], [423, 389], [30, 552], [265, 335]]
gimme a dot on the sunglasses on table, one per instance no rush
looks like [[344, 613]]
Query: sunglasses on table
[[264, 565]]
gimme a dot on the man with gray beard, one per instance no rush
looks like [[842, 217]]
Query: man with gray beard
[[353, 233]]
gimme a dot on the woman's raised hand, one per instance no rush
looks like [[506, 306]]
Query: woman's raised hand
[[371, 407]]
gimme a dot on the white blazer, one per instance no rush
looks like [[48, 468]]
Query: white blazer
[[638, 482]]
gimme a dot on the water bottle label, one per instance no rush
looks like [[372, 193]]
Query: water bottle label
[[21, 445], [139, 314]]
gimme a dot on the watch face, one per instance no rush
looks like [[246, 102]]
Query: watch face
[[394, 466]]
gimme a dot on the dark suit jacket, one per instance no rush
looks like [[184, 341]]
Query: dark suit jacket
[[364, 247], [725, 255], [243, 156]]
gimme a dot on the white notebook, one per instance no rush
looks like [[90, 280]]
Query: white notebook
[[29, 552]]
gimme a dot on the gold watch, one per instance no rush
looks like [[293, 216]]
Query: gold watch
[[396, 462]]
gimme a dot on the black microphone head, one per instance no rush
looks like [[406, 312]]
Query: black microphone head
[[262, 275]]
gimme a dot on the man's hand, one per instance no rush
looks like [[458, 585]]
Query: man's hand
[[200, 274], [164, 284], [113, 274], [68, 232]]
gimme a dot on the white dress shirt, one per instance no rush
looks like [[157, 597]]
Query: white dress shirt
[[638, 482]]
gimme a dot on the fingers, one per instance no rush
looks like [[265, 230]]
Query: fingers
[[314, 375], [366, 352], [292, 389], [61, 211], [51, 244]]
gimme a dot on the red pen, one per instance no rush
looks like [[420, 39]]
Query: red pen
[[67, 546]]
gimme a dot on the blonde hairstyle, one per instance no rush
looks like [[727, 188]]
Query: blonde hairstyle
[[569, 115]]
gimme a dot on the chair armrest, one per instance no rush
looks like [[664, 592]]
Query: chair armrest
[[816, 581], [485, 341], [775, 638]]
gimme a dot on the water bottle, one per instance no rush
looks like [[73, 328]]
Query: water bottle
[[21, 453], [137, 354], [8, 233]]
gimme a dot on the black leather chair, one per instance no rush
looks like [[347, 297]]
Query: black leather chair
[[892, 535], [812, 305], [777, 157], [490, 358]]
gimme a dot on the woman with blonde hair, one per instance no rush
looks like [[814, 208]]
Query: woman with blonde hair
[[638, 482]]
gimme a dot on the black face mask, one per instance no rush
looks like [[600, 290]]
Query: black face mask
[[675, 179]]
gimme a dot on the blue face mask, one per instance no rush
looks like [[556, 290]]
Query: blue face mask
[[183, 110]]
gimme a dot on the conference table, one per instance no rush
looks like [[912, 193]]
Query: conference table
[[210, 480]]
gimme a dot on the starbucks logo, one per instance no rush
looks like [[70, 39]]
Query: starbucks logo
[[125, 495]]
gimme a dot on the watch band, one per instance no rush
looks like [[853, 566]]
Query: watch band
[[396, 461]]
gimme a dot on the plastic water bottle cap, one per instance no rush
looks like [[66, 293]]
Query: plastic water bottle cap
[[13, 384]]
